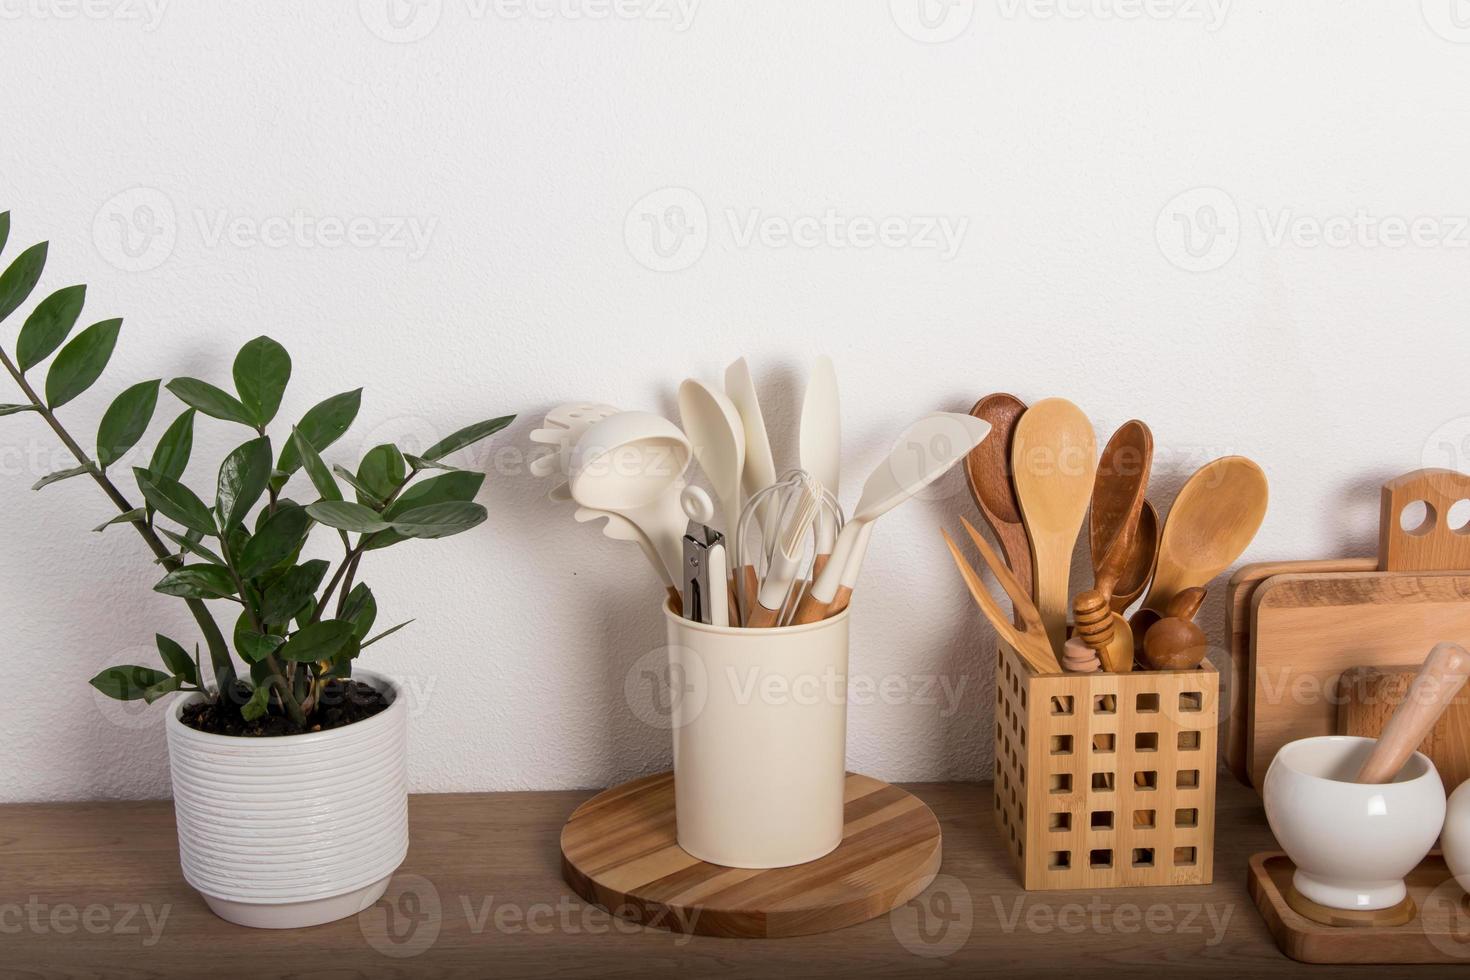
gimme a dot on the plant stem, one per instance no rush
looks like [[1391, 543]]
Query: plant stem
[[219, 652], [289, 701]]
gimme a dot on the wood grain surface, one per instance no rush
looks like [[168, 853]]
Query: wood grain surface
[[1308, 629], [1238, 594], [1436, 935], [481, 895], [620, 851]]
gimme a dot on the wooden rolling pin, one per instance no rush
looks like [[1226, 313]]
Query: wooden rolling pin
[[1439, 679]]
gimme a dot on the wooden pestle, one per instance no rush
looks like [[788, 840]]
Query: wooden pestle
[[1440, 678]]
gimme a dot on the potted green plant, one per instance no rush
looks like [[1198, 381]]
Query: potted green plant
[[289, 772]]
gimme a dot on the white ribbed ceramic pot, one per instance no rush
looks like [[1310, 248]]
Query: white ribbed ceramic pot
[[760, 740], [279, 833]]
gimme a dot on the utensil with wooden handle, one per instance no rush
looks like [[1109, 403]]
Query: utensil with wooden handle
[[1217, 513], [925, 452], [1029, 639], [820, 447], [1053, 464], [760, 466], [1439, 679], [1117, 506], [988, 472], [1105, 631], [717, 435]]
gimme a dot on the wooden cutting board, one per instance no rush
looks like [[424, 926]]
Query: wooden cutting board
[[1307, 629], [1238, 594], [1370, 695]]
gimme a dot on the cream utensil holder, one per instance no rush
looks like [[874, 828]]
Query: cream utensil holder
[[760, 740]]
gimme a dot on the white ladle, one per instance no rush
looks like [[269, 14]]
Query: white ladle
[[925, 451], [632, 464], [717, 433]]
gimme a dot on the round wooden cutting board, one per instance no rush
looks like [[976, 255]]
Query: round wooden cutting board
[[619, 851]]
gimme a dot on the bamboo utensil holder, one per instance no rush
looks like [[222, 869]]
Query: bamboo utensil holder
[[1106, 780]]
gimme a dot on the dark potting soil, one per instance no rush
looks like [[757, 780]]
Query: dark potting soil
[[342, 703]]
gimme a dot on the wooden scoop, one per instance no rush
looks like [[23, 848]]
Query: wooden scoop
[[1138, 567], [1213, 520], [1053, 463], [988, 472], [1439, 679], [1117, 504]]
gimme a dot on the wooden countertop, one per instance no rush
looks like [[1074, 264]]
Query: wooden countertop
[[95, 889]]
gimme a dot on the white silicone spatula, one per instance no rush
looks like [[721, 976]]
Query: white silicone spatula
[[821, 448], [922, 454]]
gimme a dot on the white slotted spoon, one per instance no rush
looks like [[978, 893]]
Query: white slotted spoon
[[561, 429]]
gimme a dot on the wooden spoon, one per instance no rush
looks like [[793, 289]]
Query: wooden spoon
[[1213, 520], [988, 472], [1053, 463], [1439, 679], [1117, 503], [1139, 568]]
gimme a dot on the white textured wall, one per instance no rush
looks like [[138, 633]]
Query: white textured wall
[[168, 148]]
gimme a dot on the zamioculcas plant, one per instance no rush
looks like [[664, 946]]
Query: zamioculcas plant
[[298, 625]]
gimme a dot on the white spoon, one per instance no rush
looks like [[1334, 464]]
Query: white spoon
[[632, 464], [717, 433], [922, 454]]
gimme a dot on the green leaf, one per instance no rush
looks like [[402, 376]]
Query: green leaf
[[125, 421], [127, 683], [81, 362], [319, 641], [13, 409], [467, 436], [243, 477], [291, 591], [188, 543], [360, 609], [262, 369], [258, 704], [212, 401], [278, 539], [4, 229], [316, 469], [256, 647], [387, 632], [176, 659], [197, 582], [342, 662], [459, 485], [60, 475], [48, 325], [321, 426], [364, 492], [17, 281], [419, 463], [126, 517], [344, 515], [381, 472], [171, 455], [166, 686], [175, 501], [439, 520]]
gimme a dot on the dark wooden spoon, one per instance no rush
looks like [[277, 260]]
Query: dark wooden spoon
[[988, 471], [1115, 525]]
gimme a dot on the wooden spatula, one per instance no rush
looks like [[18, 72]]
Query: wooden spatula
[[1029, 639], [1439, 679], [988, 472], [1053, 463], [1213, 520]]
